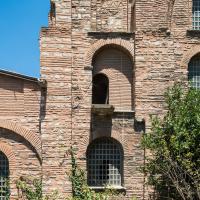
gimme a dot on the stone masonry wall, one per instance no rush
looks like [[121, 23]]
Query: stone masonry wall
[[109, 15], [162, 53], [56, 69], [67, 49], [85, 44]]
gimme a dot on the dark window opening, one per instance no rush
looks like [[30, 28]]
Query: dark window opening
[[100, 89], [4, 175]]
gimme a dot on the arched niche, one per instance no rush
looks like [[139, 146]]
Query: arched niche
[[116, 64]]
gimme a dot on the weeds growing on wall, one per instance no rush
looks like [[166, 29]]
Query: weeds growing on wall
[[32, 189], [4, 188], [81, 190]]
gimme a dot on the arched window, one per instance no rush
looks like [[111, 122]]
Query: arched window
[[196, 15], [100, 89], [194, 71], [105, 163], [4, 175]]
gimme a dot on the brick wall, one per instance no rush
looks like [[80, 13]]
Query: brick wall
[[20, 102], [56, 69], [67, 55], [19, 128], [27, 164], [162, 56], [164, 46]]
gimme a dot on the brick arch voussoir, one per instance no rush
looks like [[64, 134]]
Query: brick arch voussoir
[[7, 150], [108, 72], [118, 138], [28, 135], [101, 43], [122, 141], [189, 54]]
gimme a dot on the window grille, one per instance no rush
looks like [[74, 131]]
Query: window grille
[[194, 72], [4, 174], [196, 15], [105, 161]]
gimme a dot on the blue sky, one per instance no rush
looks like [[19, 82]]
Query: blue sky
[[20, 23]]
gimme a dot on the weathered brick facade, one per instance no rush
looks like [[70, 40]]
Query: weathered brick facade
[[142, 47], [20, 126]]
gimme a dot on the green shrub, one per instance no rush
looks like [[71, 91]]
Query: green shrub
[[31, 189], [174, 143], [5, 190]]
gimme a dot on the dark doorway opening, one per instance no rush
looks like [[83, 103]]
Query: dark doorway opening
[[100, 89]]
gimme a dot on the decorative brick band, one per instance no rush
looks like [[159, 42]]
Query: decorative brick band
[[7, 150], [189, 54], [28, 135], [126, 45]]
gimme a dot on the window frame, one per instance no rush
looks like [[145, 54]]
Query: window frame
[[196, 15], [121, 172], [194, 64]]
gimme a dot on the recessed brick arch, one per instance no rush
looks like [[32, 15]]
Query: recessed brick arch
[[115, 58], [28, 135], [126, 45], [111, 138], [189, 54], [7, 150], [86, 141], [116, 136]]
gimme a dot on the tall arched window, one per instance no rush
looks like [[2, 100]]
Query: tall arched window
[[196, 15], [4, 175], [194, 71], [105, 163], [100, 89]]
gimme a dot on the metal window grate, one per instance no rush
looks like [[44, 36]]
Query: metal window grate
[[194, 72], [104, 163], [196, 15], [4, 174]]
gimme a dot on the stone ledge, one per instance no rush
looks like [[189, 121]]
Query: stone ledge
[[102, 188], [102, 109], [193, 33]]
